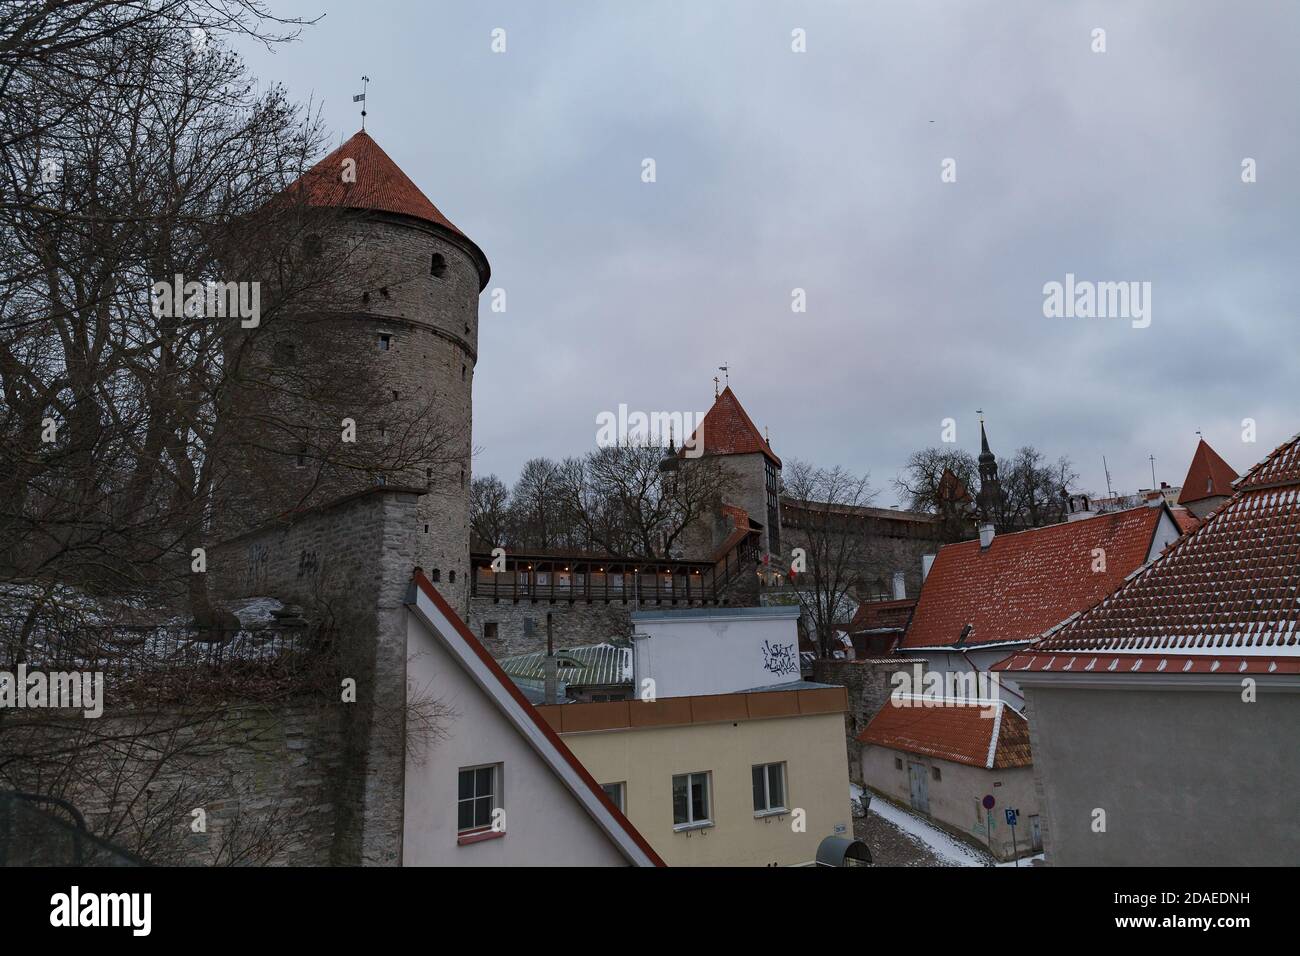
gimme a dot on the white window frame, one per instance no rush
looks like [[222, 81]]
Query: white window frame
[[498, 776], [691, 823], [769, 810]]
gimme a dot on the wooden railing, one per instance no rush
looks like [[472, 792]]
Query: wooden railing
[[637, 581]]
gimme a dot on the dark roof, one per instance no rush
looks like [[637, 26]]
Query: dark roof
[[1208, 477], [1222, 598], [1028, 581], [962, 733]]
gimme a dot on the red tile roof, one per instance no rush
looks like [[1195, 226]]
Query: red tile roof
[[1209, 476], [380, 186], [1185, 519], [727, 430], [1029, 581], [874, 615], [1224, 597], [962, 733]]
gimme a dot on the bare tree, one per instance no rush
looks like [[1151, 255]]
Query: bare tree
[[940, 481], [822, 506]]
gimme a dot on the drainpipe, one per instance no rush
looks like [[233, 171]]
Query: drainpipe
[[550, 670]]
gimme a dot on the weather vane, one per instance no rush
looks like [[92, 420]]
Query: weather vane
[[361, 98]]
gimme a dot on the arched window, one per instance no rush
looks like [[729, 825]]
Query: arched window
[[437, 265]]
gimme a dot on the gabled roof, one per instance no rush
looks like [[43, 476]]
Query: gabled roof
[[880, 616], [1208, 477], [986, 734], [431, 608], [728, 430], [1028, 581], [380, 186], [1223, 599]]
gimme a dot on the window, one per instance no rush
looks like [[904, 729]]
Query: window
[[934, 772], [301, 461], [283, 354], [438, 265], [479, 795], [312, 246], [898, 763], [490, 631], [616, 792], [462, 373], [435, 575], [691, 800], [769, 788], [385, 341], [451, 577]]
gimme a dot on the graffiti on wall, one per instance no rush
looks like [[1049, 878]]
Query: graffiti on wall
[[780, 659]]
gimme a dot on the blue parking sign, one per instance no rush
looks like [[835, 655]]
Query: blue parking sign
[[1012, 816]]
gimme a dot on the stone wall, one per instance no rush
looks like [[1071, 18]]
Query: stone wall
[[869, 687], [350, 562], [285, 769]]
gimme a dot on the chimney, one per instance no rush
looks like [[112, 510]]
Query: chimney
[[900, 586], [1080, 508], [550, 669], [926, 561], [986, 535]]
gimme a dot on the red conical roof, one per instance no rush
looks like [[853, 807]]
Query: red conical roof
[[380, 186], [727, 430], [1208, 477]]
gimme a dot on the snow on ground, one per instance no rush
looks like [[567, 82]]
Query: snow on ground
[[950, 850]]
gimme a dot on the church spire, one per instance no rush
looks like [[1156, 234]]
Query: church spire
[[990, 495]]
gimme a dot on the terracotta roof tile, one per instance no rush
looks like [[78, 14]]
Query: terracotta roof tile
[[962, 733], [380, 186], [1228, 591], [728, 430], [1028, 581], [1209, 476]]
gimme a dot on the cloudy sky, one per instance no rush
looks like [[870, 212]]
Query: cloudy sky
[[821, 170]]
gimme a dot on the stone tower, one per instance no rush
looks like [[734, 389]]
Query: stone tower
[[403, 316]]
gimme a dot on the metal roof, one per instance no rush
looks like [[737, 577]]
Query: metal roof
[[578, 666]]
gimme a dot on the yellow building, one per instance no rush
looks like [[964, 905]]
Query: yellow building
[[748, 779]]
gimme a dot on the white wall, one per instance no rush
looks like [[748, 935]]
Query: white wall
[[544, 824], [715, 651]]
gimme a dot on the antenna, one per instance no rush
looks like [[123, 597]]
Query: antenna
[[1104, 468], [1153, 470]]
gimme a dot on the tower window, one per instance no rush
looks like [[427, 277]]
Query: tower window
[[385, 341], [462, 373], [451, 577], [283, 354], [301, 461], [437, 265], [426, 529], [435, 575], [312, 246]]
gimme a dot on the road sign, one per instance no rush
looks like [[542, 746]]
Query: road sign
[[989, 801], [1012, 816]]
